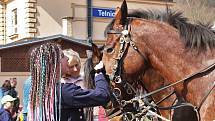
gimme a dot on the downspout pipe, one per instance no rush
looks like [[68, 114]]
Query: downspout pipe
[[89, 21]]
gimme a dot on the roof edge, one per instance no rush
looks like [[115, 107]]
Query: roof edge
[[41, 39]]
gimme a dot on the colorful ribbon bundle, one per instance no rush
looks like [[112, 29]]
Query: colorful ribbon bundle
[[45, 73]]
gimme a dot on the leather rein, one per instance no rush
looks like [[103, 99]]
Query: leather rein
[[140, 104]]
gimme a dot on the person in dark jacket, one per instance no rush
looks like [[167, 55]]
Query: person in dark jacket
[[74, 91], [7, 106], [13, 83], [71, 97], [14, 94], [6, 87], [74, 98]]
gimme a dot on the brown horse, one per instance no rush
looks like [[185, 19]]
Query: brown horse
[[151, 78], [173, 47]]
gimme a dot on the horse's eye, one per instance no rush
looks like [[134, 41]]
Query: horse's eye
[[110, 50]]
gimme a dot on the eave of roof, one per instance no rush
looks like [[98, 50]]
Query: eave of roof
[[43, 39]]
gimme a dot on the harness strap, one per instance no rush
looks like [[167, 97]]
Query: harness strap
[[160, 101], [195, 75], [161, 117], [138, 51], [205, 97], [114, 113]]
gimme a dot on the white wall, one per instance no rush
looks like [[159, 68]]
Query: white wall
[[18, 4], [49, 15]]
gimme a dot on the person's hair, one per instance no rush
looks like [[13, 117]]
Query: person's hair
[[72, 55], [14, 79], [6, 84], [13, 82], [45, 73]]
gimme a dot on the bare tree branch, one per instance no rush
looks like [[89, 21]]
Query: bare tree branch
[[197, 10]]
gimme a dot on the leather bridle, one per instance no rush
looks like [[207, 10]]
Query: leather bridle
[[139, 102]]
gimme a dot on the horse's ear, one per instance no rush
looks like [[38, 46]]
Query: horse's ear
[[121, 14], [96, 52]]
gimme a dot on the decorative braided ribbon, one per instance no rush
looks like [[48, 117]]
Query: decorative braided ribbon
[[45, 72]]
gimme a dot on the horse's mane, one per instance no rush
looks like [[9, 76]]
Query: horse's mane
[[195, 35]]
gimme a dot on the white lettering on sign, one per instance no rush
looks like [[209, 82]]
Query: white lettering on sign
[[105, 13]]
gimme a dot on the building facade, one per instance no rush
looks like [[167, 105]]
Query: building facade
[[21, 19]]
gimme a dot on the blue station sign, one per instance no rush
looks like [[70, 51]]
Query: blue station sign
[[103, 13]]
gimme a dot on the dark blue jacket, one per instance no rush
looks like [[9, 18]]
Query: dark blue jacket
[[3, 92], [5, 115], [74, 99]]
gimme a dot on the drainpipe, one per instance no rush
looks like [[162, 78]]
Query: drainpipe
[[89, 21]]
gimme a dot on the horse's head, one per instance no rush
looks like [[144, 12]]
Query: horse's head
[[120, 52], [119, 91], [90, 64], [89, 73]]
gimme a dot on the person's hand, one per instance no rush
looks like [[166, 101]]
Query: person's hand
[[99, 66], [14, 115]]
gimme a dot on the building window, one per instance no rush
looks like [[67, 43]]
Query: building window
[[14, 21]]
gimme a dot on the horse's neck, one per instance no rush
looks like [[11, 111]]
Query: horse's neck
[[175, 62], [178, 65], [174, 66], [152, 80], [169, 56]]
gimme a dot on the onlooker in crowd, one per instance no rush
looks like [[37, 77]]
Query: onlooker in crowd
[[4, 90], [7, 106], [26, 93], [102, 115], [20, 116], [6, 87], [14, 94]]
